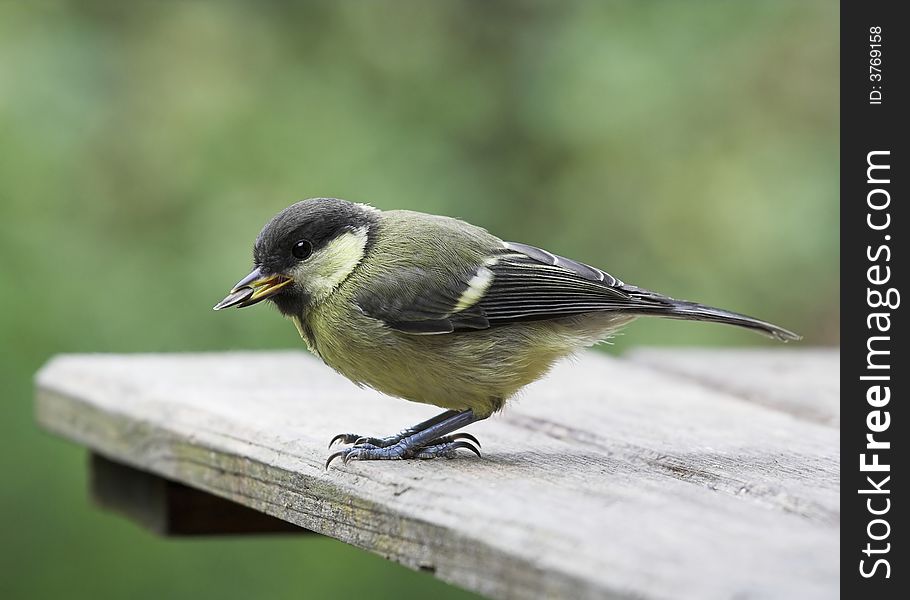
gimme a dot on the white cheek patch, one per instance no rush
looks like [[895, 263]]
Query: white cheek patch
[[324, 271]]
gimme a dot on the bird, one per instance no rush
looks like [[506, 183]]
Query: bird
[[435, 310]]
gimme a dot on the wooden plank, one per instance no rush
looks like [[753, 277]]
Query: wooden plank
[[170, 508], [804, 383], [607, 479]]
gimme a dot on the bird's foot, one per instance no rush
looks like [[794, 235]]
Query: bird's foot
[[448, 447], [430, 439], [403, 448], [385, 442], [357, 439]]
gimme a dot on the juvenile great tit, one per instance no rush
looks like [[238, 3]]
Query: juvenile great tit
[[435, 310]]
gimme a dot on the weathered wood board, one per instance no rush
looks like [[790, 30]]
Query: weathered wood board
[[607, 479], [804, 383]]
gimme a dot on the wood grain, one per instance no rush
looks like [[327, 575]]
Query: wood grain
[[608, 479], [804, 383]]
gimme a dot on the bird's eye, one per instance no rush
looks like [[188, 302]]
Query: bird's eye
[[302, 249]]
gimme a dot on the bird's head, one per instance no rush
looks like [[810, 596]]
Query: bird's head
[[304, 253]]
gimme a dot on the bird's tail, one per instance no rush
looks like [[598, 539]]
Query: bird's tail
[[671, 308]]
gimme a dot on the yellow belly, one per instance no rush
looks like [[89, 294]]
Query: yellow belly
[[476, 370]]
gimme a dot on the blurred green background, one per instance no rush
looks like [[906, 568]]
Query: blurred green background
[[688, 147]]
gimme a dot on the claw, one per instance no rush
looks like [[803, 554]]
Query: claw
[[464, 436], [447, 439], [345, 438], [335, 455], [466, 446], [442, 447]]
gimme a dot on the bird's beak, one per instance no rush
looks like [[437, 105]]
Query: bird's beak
[[252, 289]]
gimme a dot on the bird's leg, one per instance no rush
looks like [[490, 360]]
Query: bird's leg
[[353, 438], [432, 439]]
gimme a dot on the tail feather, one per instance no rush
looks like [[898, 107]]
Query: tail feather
[[692, 311]]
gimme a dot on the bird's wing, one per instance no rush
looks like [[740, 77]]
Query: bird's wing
[[514, 282], [422, 301]]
